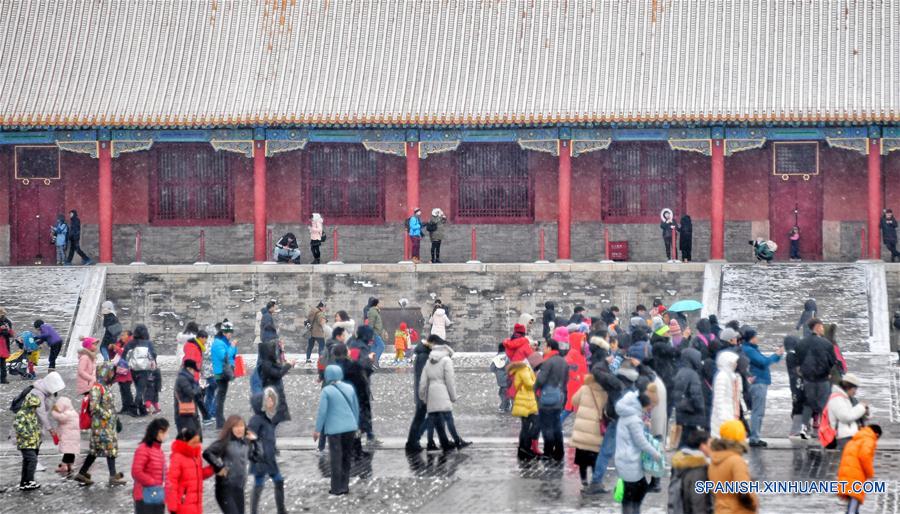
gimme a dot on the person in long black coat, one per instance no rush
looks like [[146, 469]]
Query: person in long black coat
[[420, 422], [75, 240], [272, 369], [889, 233], [548, 317], [187, 390], [685, 237], [690, 404], [357, 375], [263, 462]]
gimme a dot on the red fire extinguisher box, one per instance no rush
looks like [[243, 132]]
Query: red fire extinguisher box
[[618, 250]]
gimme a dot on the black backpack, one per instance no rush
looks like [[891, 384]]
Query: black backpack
[[18, 401], [431, 226]]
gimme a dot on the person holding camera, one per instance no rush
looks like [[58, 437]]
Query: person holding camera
[[846, 414], [764, 251], [435, 228]]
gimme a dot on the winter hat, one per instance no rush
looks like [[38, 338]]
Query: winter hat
[[89, 343], [316, 216], [850, 378], [226, 327], [600, 342], [748, 332], [561, 334], [563, 346], [107, 307], [637, 351], [519, 329], [627, 373], [728, 334], [190, 364], [436, 212], [402, 326], [733, 430], [54, 382]]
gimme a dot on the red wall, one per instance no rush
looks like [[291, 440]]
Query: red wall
[[891, 167], [80, 174], [131, 187], [6, 178], [844, 180], [435, 180], [283, 188], [747, 185]]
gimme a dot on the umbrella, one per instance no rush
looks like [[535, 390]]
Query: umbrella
[[686, 306]]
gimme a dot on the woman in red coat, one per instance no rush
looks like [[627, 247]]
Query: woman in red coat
[[184, 483], [148, 469]]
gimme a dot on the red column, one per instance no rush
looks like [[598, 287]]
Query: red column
[[875, 201], [717, 211], [104, 190], [259, 201], [564, 217], [412, 177]]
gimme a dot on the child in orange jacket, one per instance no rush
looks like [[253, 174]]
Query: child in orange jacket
[[401, 343], [858, 464]]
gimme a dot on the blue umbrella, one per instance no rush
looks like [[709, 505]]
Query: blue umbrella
[[686, 306]]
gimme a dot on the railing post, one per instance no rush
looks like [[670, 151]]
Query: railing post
[[674, 245], [606, 244], [406, 247], [202, 248], [863, 247], [335, 258], [541, 246], [137, 249], [474, 259]]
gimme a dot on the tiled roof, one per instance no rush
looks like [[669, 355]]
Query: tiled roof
[[145, 63]]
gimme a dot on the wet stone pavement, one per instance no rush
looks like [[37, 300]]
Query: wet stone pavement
[[483, 478]]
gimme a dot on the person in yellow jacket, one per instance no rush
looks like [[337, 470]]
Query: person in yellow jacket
[[525, 406]]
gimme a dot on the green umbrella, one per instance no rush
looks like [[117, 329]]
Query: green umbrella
[[686, 306]]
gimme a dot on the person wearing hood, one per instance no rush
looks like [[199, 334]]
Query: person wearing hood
[[68, 432], [518, 346], [589, 401], [577, 368], [548, 319], [231, 452], [222, 354], [316, 236], [420, 423], [140, 355], [435, 228], [631, 442], [338, 420], [272, 367], [46, 390], [86, 375], [809, 312], [437, 388], [727, 465], [726, 392], [665, 357], [28, 439], [74, 240], [47, 334], [186, 473], [287, 249], [615, 384], [357, 372], [858, 464], [845, 413], [527, 321], [525, 407], [762, 378], [689, 466], [553, 375], [104, 428], [731, 342], [59, 235], [439, 323], [111, 328], [685, 237], [264, 422], [267, 330], [690, 395], [187, 398]]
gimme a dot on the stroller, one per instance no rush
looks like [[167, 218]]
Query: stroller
[[28, 353]]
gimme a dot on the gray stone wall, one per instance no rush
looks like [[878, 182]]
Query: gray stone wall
[[484, 300], [4, 245]]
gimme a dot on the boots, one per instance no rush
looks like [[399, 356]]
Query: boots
[[536, 448], [279, 497], [254, 501]]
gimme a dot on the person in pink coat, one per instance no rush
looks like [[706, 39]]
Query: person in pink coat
[[68, 432], [87, 366]]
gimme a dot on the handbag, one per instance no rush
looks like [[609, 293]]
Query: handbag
[[186, 408], [84, 417], [154, 495], [239, 369], [619, 493], [653, 467]]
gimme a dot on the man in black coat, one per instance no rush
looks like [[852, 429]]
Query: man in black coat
[[888, 233], [548, 318], [272, 369], [690, 403], [553, 375], [420, 421], [75, 240], [816, 357]]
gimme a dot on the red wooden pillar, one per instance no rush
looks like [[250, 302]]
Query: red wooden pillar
[[260, 249], [412, 176], [104, 201], [717, 211], [564, 216], [875, 200]]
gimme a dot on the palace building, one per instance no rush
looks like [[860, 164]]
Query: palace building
[[207, 128]]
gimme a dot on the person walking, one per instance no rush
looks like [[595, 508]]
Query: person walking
[[414, 229], [184, 481], [49, 335], [525, 406], [690, 466], [267, 329], [266, 417], [726, 404], [59, 235], [762, 378], [439, 322], [338, 420], [437, 388], [222, 354], [668, 227], [316, 320], [435, 227], [111, 328], [845, 414], [141, 358], [795, 383], [7, 335], [631, 441], [858, 465], [74, 237], [816, 357], [809, 312], [420, 422], [587, 435], [727, 466], [553, 375], [685, 237], [28, 439], [229, 455], [690, 396], [889, 233], [104, 428], [272, 367], [316, 236], [188, 399], [377, 325], [148, 470]]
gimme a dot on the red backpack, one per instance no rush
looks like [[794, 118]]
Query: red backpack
[[827, 433], [84, 419]]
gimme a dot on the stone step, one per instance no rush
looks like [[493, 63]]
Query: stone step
[[48, 293]]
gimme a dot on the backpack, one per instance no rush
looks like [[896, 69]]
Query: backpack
[[406, 224], [139, 360], [18, 401], [827, 433], [431, 226], [551, 396]]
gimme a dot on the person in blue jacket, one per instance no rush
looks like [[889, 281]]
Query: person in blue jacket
[[762, 378], [59, 234], [223, 350], [47, 334], [338, 419], [414, 226]]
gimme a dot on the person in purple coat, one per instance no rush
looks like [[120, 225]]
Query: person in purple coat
[[49, 335]]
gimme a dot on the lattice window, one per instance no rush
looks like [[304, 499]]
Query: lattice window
[[37, 163], [342, 182], [800, 158], [493, 184], [193, 186], [639, 181]]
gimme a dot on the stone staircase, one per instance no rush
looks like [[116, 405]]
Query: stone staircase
[[771, 298]]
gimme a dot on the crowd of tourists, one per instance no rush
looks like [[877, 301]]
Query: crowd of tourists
[[635, 387]]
